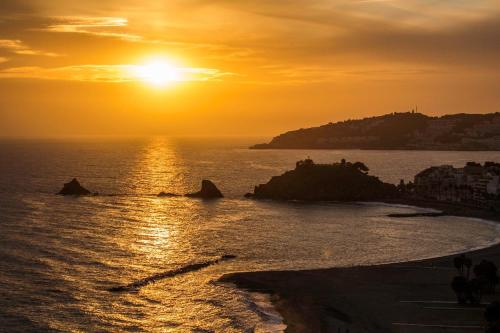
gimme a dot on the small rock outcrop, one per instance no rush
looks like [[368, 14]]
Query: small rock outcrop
[[208, 191], [167, 195], [74, 188]]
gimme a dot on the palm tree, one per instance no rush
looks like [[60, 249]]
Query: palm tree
[[468, 264], [459, 263]]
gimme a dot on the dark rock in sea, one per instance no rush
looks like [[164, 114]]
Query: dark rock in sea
[[168, 194], [342, 181], [228, 256], [74, 188], [404, 215], [134, 286], [208, 191]]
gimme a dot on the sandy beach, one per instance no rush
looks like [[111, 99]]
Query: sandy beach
[[403, 297]]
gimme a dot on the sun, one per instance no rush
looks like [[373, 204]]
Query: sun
[[159, 73]]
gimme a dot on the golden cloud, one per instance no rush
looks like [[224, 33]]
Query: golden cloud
[[106, 73], [99, 26], [18, 47]]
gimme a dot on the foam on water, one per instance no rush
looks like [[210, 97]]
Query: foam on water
[[272, 321]]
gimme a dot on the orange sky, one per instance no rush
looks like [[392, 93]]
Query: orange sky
[[254, 67]]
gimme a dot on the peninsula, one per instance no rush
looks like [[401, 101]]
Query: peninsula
[[407, 130]]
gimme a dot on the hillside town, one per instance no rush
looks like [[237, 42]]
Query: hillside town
[[473, 185], [398, 130]]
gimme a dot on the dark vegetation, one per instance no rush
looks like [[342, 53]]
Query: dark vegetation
[[470, 289], [342, 181]]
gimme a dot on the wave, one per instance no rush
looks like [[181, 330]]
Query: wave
[[272, 321]]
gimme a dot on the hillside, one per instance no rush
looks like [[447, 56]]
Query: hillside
[[408, 130]]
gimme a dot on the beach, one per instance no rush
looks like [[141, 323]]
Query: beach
[[402, 297]]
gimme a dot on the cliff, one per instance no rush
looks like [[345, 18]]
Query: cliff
[[408, 130]]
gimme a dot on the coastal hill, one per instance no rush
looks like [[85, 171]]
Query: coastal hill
[[407, 130], [342, 181]]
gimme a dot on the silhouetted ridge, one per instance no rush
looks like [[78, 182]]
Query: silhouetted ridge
[[342, 181], [408, 130]]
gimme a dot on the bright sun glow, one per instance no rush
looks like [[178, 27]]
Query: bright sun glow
[[159, 73]]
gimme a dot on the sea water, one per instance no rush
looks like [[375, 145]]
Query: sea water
[[60, 255]]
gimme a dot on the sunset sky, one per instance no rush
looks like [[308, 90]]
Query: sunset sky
[[228, 67]]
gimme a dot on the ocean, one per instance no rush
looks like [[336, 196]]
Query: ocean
[[60, 255]]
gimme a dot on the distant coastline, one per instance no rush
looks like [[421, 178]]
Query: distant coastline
[[375, 149], [398, 131]]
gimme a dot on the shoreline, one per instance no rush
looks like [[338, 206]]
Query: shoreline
[[449, 209], [375, 149], [413, 296]]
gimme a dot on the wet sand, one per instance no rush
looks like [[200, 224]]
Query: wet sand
[[404, 297]]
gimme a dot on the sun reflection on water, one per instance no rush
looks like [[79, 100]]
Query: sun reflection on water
[[160, 167], [156, 169]]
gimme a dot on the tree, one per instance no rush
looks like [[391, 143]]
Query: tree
[[402, 186], [468, 265], [467, 290], [361, 167], [459, 263], [474, 291]]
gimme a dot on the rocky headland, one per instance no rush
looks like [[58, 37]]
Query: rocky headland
[[403, 130], [343, 181]]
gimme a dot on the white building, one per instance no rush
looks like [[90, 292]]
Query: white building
[[475, 184]]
